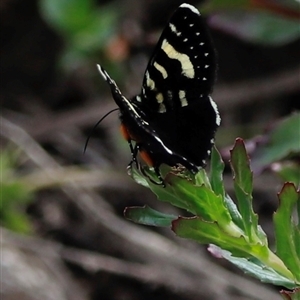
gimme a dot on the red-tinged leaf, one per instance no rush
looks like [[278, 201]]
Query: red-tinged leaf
[[291, 295]]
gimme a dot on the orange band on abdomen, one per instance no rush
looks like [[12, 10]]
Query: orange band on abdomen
[[146, 158], [125, 132]]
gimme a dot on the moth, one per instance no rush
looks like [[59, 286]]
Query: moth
[[174, 119]]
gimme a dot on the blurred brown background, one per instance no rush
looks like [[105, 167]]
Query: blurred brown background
[[64, 235]]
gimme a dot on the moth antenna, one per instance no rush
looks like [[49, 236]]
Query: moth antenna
[[95, 126]]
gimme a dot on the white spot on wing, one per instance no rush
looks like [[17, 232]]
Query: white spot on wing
[[185, 40], [161, 69], [150, 83], [206, 66], [174, 29], [186, 65], [201, 44], [138, 98], [206, 54], [214, 105], [182, 97], [162, 108], [191, 25], [159, 97], [191, 7], [204, 78]]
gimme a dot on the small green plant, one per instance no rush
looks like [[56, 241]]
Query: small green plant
[[14, 195], [232, 230]]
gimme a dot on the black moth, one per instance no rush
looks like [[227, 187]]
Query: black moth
[[173, 120]]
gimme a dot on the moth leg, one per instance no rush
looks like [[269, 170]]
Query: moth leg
[[133, 148], [134, 151], [157, 172]]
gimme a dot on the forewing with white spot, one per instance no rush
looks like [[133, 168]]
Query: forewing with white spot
[[183, 63]]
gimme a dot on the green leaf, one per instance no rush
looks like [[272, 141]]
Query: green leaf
[[137, 177], [216, 173], [148, 216], [234, 213], [67, 16], [216, 179], [217, 219], [282, 141], [199, 200], [286, 231], [211, 232], [85, 27], [168, 194], [253, 267], [240, 167], [17, 221], [243, 190], [11, 193], [217, 185], [97, 31], [14, 194], [201, 178]]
